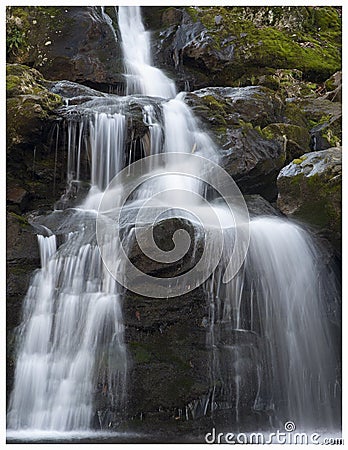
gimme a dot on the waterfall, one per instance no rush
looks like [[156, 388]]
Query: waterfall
[[282, 295], [142, 77], [71, 341]]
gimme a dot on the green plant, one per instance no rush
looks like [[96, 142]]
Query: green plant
[[14, 39]]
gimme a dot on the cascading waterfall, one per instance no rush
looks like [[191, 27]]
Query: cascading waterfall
[[281, 294], [71, 337], [72, 334]]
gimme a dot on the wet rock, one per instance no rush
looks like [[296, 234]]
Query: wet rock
[[253, 161], [74, 43], [254, 104], [235, 117], [74, 93], [310, 190]]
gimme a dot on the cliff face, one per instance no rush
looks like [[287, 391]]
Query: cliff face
[[264, 81]]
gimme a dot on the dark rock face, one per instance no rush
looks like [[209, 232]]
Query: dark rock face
[[22, 258], [310, 189], [74, 43], [35, 172], [253, 161]]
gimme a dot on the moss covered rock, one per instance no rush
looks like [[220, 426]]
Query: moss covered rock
[[324, 118], [310, 190], [29, 105], [74, 43], [219, 45]]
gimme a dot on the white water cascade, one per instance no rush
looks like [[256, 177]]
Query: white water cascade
[[71, 340]]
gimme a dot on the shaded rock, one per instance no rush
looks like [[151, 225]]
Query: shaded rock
[[31, 116], [296, 139], [310, 190], [75, 43], [325, 121], [258, 206], [253, 161], [17, 198]]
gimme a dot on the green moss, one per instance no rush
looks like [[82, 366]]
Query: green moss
[[259, 41], [21, 220], [140, 354]]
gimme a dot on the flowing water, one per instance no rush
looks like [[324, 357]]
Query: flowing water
[[268, 331]]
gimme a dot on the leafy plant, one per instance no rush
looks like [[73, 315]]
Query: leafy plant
[[14, 39]]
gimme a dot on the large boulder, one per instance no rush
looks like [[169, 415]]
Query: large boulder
[[74, 43], [235, 117], [310, 189], [218, 45]]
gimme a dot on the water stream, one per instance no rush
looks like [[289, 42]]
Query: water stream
[[268, 331]]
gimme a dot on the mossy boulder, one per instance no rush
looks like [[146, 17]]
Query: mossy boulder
[[74, 43], [219, 45], [256, 105], [29, 105], [310, 190]]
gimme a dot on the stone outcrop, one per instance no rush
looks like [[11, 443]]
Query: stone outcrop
[[310, 190]]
